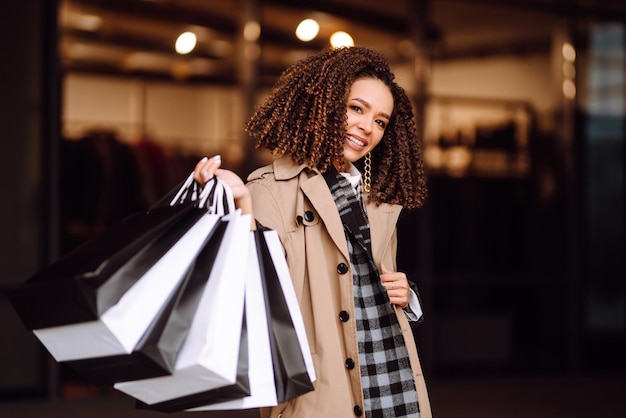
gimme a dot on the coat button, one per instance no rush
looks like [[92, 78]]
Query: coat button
[[342, 268], [358, 411], [309, 216], [344, 316], [349, 364]]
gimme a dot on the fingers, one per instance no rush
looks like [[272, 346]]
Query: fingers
[[398, 296], [396, 278], [205, 169], [397, 286]]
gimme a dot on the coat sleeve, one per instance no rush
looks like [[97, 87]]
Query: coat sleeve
[[265, 207]]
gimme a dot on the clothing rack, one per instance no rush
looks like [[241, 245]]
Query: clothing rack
[[484, 137]]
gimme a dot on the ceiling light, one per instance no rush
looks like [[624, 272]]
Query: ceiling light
[[186, 42], [569, 89], [339, 39], [252, 31], [569, 53], [307, 30]]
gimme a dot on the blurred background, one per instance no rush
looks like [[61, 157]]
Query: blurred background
[[519, 252]]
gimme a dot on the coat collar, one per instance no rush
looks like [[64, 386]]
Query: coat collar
[[285, 168], [382, 218]]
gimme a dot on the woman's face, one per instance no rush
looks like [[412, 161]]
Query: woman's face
[[369, 109]]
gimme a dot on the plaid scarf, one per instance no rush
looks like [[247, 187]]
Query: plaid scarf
[[386, 376]]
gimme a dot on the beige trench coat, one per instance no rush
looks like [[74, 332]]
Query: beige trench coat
[[285, 197]]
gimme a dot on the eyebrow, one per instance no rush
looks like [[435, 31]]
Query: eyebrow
[[366, 104]]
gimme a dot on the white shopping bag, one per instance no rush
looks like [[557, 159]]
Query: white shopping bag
[[209, 356], [260, 370]]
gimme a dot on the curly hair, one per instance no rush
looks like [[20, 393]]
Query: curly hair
[[305, 117]]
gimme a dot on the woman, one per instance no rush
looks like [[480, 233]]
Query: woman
[[347, 161]]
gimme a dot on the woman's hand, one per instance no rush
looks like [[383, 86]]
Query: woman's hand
[[397, 286], [209, 167]]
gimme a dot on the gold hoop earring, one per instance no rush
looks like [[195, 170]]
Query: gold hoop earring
[[367, 175]]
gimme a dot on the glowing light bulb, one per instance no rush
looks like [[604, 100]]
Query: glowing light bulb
[[186, 42], [307, 30], [251, 31], [569, 89], [339, 39], [569, 53]]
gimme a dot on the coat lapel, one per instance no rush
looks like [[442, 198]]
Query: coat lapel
[[316, 190], [382, 220]]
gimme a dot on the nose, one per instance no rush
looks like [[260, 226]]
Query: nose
[[365, 124]]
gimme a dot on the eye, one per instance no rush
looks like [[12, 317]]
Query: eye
[[356, 108], [381, 123]]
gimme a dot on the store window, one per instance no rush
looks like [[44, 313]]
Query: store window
[[603, 183]]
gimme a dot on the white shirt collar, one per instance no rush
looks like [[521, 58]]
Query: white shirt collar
[[353, 175]]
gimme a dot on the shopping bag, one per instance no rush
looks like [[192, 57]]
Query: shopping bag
[[280, 362], [88, 280], [255, 347], [145, 286], [119, 328], [209, 357], [269, 286], [241, 388], [280, 366], [91, 278], [293, 365], [155, 353]]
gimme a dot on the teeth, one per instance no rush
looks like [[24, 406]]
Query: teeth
[[356, 141]]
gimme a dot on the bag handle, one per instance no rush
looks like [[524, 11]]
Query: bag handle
[[216, 196], [183, 191], [219, 200]]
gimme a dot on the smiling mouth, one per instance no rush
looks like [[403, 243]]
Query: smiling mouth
[[356, 141]]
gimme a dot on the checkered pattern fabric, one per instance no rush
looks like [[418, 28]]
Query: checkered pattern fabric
[[388, 386]]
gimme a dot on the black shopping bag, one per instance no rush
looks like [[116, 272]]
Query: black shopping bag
[[239, 389], [88, 280], [85, 282], [291, 374], [155, 354], [101, 307]]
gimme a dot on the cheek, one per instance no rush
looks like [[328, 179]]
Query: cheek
[[376, 139], [350, 120]]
